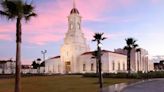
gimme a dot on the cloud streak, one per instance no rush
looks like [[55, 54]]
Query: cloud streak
[[52, 18]]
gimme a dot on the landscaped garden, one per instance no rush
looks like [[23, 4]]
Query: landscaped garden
[[60, 83]]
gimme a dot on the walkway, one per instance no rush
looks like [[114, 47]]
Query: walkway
[[156, 85]]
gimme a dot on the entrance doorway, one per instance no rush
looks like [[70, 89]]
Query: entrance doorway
[[68, 67]]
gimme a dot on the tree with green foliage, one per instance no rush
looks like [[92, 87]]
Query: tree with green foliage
[[42, 64], [17, 10], [130, 44], [34, 65], [98, 37]]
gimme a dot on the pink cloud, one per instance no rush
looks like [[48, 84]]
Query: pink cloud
[[5, 37], [7, 28], [89, 33], [52, 18], [44, 38]]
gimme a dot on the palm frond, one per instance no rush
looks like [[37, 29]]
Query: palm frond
[[10, 7], [94, 40], [135, 45], [28, 17], [5, 14], [27, 8], [2, 13], [125, 48], [104, 38], [16, 8]]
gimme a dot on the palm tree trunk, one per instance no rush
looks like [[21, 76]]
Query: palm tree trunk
[[18, 56], [137, 62], [128, 62], [97, 67], [100, 68]]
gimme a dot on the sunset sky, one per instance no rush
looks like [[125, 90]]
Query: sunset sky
[[118, 19]]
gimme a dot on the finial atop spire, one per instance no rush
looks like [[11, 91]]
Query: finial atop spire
[[74, 10], [74, 4]]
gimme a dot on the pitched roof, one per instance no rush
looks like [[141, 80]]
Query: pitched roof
[[55, 57], [105, 51], [5, 61]]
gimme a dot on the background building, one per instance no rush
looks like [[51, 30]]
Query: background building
[[7, 67]]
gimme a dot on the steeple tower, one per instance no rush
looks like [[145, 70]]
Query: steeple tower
[[74, 42]]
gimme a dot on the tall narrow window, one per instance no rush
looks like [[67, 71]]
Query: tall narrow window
[[84, 67], [58, 68], [113, 65], [123, 66], [119, 66], [92, 66]]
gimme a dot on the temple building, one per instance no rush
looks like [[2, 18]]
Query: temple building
[[76, 57]]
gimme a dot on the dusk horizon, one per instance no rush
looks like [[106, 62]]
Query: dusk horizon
[[118, 20]]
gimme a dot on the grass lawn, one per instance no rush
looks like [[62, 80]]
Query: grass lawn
[[65, 83]]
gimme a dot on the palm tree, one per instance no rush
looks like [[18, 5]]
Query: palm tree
[[98, 37], [17, 9], [138, 50], [130, 44]]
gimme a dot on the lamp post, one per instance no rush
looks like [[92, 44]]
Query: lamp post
[[44, 53]]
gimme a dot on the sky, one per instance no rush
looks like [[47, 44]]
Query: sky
[[117, 19]]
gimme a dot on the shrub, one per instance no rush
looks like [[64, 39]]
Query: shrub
[[139, 75]]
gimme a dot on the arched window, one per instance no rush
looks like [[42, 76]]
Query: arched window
[[84, 67], [92, 66]]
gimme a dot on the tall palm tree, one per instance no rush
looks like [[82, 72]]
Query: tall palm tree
[[138, 50], [130, 44], [98, 37], [18, 10]]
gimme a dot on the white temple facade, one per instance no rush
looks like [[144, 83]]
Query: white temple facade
[[76, 57]]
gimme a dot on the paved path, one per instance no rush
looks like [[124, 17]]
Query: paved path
[[156, 85]]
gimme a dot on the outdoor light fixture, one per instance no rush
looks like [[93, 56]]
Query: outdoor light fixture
[[100, 45]]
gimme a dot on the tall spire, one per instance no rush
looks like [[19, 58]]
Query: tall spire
[[74, 4]]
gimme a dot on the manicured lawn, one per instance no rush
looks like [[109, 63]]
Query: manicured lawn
[[66, 83]]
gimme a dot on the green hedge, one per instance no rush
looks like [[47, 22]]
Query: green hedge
[[158, 74]]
